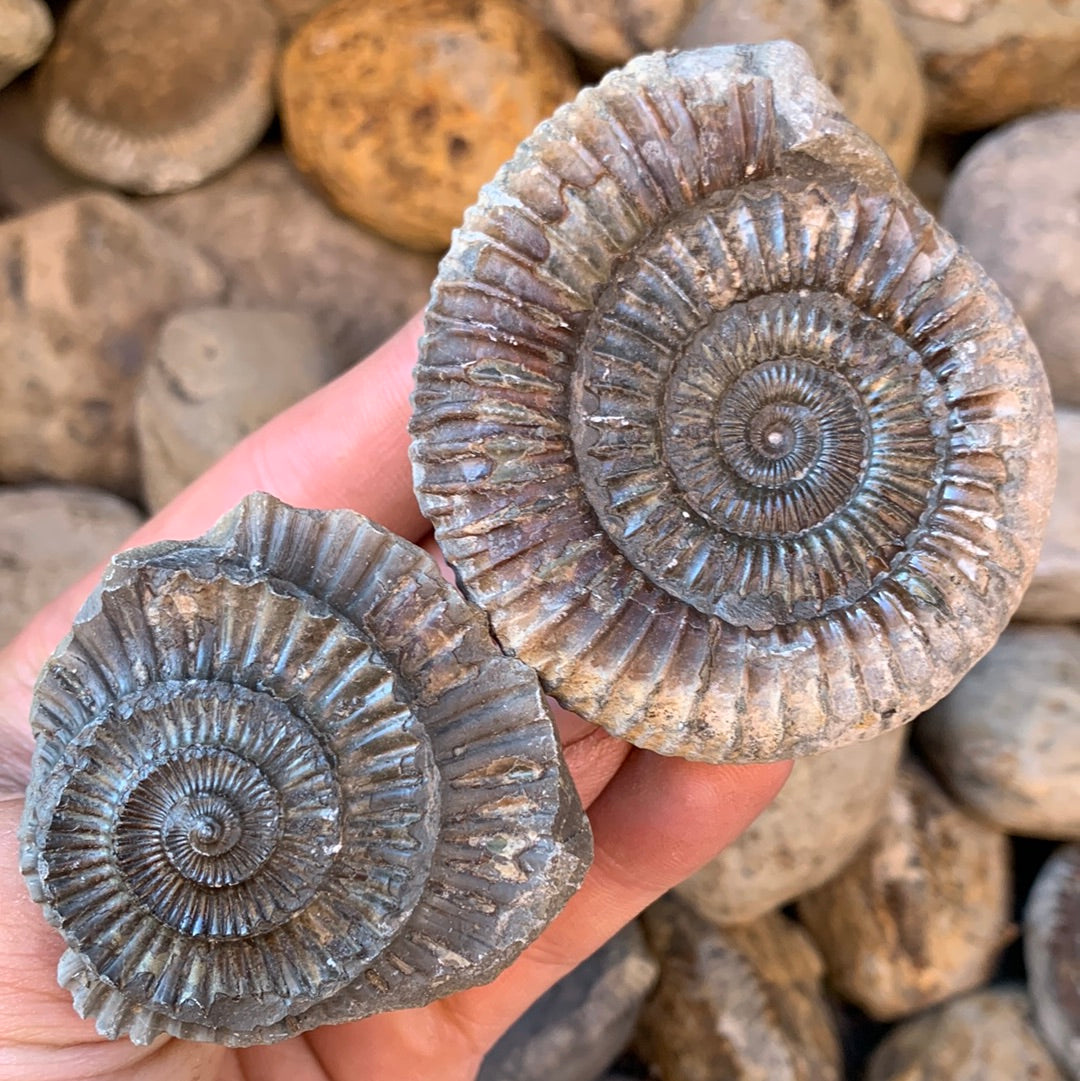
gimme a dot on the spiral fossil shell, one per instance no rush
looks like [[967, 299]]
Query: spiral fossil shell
[[284, 778], [737, 448]]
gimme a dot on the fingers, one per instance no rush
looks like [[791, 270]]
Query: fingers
[[656, 823], [344, 446]]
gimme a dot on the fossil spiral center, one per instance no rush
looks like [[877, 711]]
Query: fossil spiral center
[[767, 467]]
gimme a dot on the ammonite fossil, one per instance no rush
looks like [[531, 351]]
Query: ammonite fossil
[[284, 778], [1052, 954], [736, 447]]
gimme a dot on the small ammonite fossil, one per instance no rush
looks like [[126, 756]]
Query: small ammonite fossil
[[734, 444], [283, 778], [1052, 954]]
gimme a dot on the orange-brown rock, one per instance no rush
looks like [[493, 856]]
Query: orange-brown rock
[[856, 47], [987, 61], [402, 109]]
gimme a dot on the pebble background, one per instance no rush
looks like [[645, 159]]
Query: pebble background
[[208, 210]]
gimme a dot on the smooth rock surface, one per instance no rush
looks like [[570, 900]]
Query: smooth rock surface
[[26, 28], [985, 1036], [281, 246], [154, 97], [218, 374], [582, 1024], [987, 61], [1014, 202], [402, 109], [1054, 593], [856, 47], [609, 32], [742, 1004], [86, 283], [1006, 742], [825, 810], [922, 911], [50, 536]]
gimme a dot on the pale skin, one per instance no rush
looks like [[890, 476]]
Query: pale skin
[[655, 820]]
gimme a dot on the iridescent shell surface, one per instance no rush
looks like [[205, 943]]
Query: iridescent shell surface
[[284, 778], [734, 444]]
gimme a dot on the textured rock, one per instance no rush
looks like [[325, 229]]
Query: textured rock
[[738, 449], [825, 810], [1012, 202], [1006, 742], [155, 97], [86, 283], [402, 109], [29, 177], [26, 28], [580, 1026], [986, 1036], [856, 47], [609, 32], [1054, 593], [284, 778], [282, 247], [1052, 954], [987, 61], [49, 538], [218, 374], [742, 1004], [921, 912]]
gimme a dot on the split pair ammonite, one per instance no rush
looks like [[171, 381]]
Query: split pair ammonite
[[733, 446]]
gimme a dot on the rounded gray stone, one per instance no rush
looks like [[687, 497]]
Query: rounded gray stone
[[218, 374], [51, 536], [1014, 202], [1006, 742]]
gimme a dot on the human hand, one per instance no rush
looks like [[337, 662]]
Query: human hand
[[655, 820]]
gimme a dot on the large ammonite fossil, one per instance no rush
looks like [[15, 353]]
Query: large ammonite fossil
[[285, 778], [736, 447]]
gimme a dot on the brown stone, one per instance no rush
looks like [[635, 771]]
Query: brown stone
[[155, 97], [828, 805], [86, 283], [218, 374], [1054, 593], [742, 1004], [49, 538], [986, 1036], [856, 47], [922, 911], [1012, 202], [293, 13], [26, 28], [402, 109], [281, 246], [29, 176], [1006, 742], [988, 61], [609, 32]]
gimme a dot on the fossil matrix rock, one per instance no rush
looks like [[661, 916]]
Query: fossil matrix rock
[[738, 449], [299, 781]]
